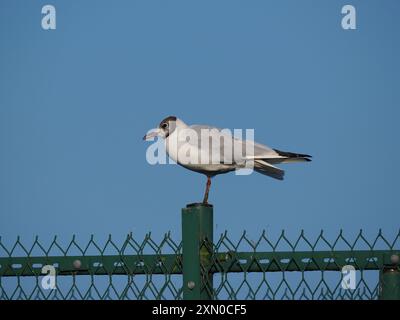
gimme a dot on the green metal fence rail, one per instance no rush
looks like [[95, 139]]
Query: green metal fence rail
[[200, 268]]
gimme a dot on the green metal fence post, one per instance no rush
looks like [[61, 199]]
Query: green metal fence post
[[197, 237], [390, 282]]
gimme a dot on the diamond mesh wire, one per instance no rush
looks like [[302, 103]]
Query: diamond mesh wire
[[297, 269], [248, 268], [131, 270]]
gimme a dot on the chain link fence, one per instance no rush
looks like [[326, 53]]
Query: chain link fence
[[199, 268]]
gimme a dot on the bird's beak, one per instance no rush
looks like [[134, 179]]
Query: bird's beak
[[152, 134]]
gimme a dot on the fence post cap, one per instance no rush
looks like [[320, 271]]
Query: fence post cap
[[199, 204]]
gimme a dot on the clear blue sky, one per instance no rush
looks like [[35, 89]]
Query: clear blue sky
[[76, 102]]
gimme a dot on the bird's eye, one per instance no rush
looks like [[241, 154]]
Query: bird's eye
[[164, 125]]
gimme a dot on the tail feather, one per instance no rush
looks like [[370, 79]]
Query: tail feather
[[266, 165], [268, 169]]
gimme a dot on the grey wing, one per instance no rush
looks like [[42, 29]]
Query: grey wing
[[256, 150], [220, 145], [232, 148]]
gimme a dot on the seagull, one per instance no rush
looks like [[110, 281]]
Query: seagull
[[175, 133]]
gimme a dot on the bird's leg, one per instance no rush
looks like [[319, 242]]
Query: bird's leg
[[205, 200]]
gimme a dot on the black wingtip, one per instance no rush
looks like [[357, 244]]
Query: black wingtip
[[293, 155]]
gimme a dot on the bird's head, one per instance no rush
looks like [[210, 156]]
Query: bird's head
[[165, 128]]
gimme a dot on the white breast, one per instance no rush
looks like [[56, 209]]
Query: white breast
[[180, 150]]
